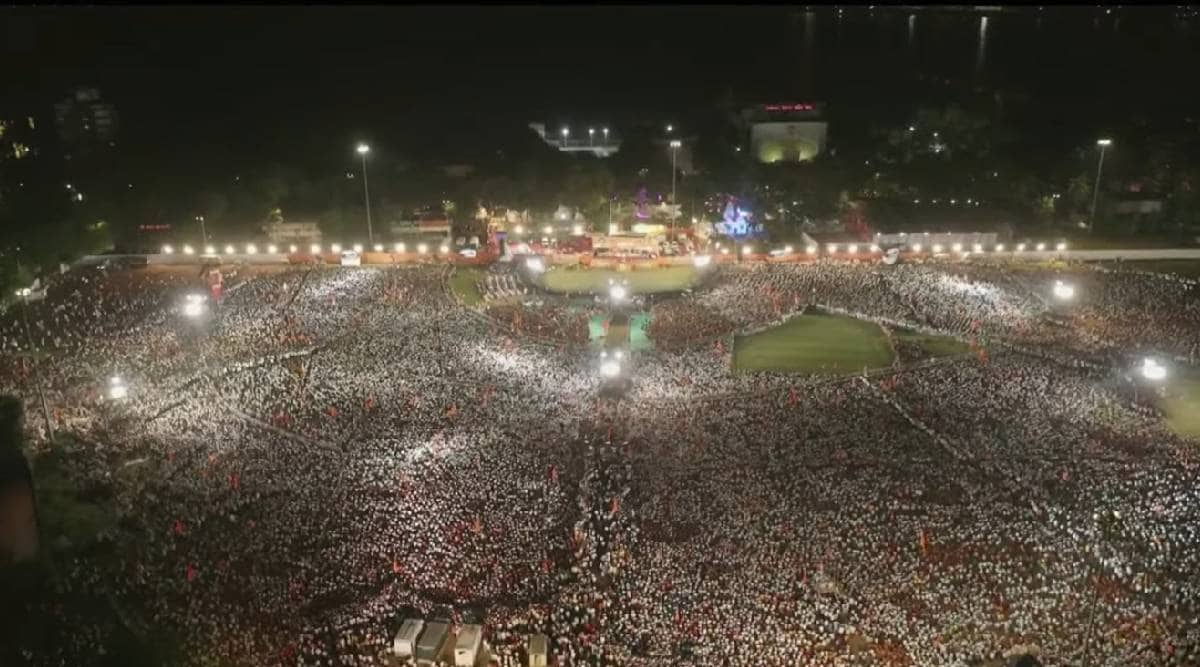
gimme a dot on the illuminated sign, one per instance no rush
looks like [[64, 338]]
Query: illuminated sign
[[790, 107]]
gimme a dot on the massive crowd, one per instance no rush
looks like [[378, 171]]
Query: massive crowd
[[334, 449]]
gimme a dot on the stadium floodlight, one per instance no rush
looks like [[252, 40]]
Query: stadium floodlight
[[812, 250], [229, 250], [535, 264], [617, 293], [117, 389], [1061, 246], [357, 247], [272, 249], [167, 250], [1040, 247], [399, 247], [188, 250], [610, 368], [210, 250], [251, 249], [378, 247], [1063, 291], [1152, 370], [701, 260], [999, 247], [314, 248], [336, 247], [422, 248], [937, 247], [916, 247], [852, 248]]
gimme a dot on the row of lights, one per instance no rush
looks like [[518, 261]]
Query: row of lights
[[315, 248], [915, 247]]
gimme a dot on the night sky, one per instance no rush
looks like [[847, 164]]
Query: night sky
[[296, 81]]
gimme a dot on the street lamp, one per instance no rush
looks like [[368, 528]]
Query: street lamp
[[566, 133], [605, 131], [592, 136], [363, 149], [1103, 144], [675, 144], [203, 231]]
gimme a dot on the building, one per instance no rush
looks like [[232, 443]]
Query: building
[[599, 141], [787, 132], [85, 122], [293, 232]]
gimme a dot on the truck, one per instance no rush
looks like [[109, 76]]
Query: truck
[[537, 650], [466, 646], [434, 643], [404, 645]]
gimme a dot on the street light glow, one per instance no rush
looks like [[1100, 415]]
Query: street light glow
[[937, 247], [916, 247], [292, 248], [272, 249], [832, 247], [210, 250], [518, 230], [357, 247], [1040, 247], [1063, 291], [443, 249], [187, 250], [812, 250], [999, 247], [852, 248], [1061, 246], [398, 247], [167, 250], [1152, 370], [1020, 247], [378, 247], [422, 248], [547, 230], [336, 247], [787, 250], [314, 248], [957, 247], [363, 149], [117, 388], [229, 250], [675, 143], [251, 249], [617, 292], [1104, 142]]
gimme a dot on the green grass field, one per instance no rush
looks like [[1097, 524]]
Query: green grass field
[[935, 346], [595, 281], [465, 283], [1182, 404], [815, 343]]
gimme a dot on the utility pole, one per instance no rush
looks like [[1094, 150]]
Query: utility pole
[[1103, 144]]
